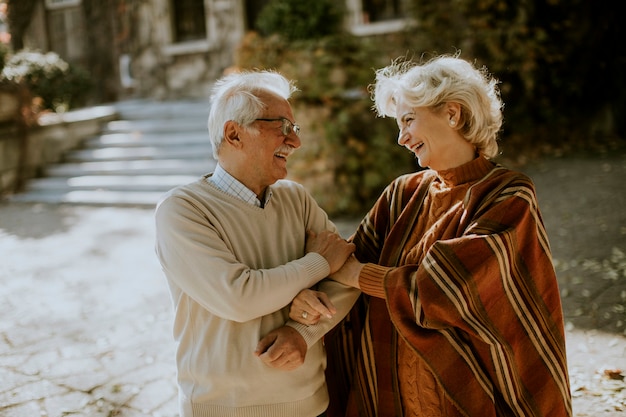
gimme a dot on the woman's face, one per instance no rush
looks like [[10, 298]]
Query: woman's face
[[431, 137]]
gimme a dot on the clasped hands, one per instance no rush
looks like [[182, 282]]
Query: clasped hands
[[284, 348]]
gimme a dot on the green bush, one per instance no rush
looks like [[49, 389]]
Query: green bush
[[4, 51], [561, 74], [60, 86], [366, 153], [297, 19], [348, 155]]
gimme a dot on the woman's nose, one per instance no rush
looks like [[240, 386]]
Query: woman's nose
[[402, 138]]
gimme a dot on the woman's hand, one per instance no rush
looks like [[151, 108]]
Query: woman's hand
[[349, 273], [310, 306]]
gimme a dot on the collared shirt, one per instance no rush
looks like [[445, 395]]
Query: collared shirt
[[230, 185]]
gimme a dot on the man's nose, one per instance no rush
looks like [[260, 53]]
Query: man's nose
[[293, 140]]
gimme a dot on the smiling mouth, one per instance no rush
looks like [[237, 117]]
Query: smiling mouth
[[283, 152], [417, 147]]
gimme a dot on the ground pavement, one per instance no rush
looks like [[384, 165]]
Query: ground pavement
[[85, 317]]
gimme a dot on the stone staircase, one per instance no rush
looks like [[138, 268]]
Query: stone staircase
[[151, 148]]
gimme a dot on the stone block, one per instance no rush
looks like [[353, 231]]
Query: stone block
[[9, 105]]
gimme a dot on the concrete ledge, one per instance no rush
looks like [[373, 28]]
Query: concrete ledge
[[88, 114], [58, 133], [47, 142], [9, 105]]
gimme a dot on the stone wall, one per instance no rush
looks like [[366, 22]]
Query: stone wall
[[161, 68], [149, 62], [10, 143], [25, 154]]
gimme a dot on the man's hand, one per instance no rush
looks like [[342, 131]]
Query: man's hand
[[309, 306], [331, 246], [283, 348]]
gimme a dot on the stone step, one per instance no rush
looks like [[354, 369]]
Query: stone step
[[184, 108], [134, 139], [152, 148], [144, 167], [91, 197], [173, 126], [141, 183], [190, 152]]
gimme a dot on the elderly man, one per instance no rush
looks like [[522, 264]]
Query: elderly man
[[236, 246]]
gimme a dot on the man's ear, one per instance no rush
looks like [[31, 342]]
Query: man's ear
[[231, 133]]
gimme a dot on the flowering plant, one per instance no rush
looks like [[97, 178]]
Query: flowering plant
[[59, 85]]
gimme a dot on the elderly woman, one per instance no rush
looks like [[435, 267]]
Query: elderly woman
[[461, 313]]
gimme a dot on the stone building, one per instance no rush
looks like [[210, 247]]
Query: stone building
[[167, 48]]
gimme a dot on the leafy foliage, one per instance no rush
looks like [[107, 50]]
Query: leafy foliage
[[60, 85], [4, 52], [297, 19], [367, 154], [557, 60], [357, 152], [558, 63]]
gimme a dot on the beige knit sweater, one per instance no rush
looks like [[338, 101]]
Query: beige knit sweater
[[232, 269]]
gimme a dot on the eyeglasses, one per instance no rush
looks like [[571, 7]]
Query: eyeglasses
[[287, 127]]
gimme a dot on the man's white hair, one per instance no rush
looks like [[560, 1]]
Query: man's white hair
[[236, 97]]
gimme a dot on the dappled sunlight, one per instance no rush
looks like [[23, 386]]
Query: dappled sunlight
[[597, 366]]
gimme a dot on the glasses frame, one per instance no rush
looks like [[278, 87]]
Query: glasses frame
[[287, 125]]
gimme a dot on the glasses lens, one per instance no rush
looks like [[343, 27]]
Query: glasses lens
[[286, 127], [289, 127]]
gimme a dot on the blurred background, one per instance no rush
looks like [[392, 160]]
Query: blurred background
[[103, 107], [560, 65]]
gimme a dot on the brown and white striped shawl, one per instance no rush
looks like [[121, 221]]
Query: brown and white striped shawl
[[481, 306]]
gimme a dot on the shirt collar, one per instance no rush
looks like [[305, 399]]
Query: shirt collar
[[231, 186]]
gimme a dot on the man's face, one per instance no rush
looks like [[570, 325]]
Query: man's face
[[267, 149]]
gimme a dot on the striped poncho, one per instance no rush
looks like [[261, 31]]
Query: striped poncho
[[459, 275]]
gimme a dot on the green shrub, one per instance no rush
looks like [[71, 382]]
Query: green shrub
[[297, 19], [4, 51], [60, 86], [348, 155], [561, 74], [366, 153]]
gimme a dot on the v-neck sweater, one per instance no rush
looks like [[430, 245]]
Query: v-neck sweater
[[233, 269]]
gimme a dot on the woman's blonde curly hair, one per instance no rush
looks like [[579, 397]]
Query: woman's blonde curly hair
[[444, 79]]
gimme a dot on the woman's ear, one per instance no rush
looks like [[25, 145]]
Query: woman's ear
[[453, 112]]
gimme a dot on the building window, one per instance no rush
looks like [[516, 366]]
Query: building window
[[66, 32], [189, 20], [57, 4], [370, 17], [381, 10]]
